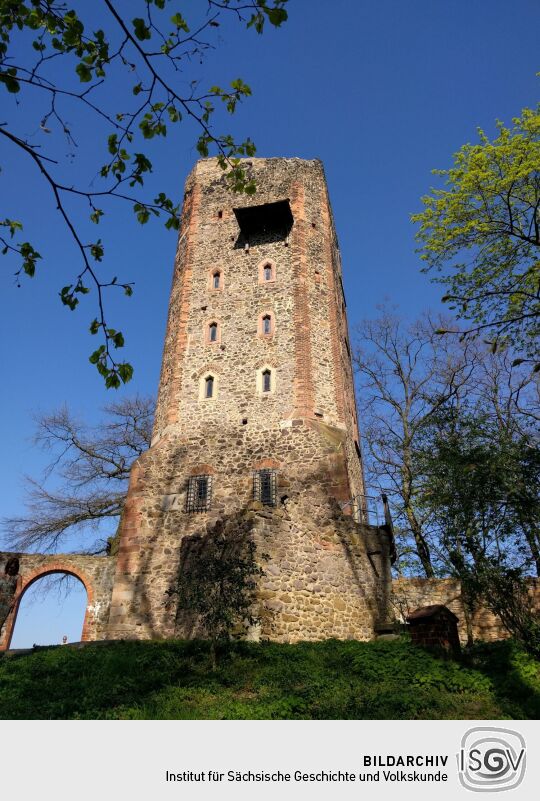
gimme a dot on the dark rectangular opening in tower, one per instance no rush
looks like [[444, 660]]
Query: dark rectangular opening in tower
[[269, 218]]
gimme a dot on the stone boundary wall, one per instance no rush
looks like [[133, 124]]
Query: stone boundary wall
[[95, 572], [409, 594]]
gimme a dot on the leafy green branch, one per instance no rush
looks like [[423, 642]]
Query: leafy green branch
[[482, 232], [153, 46]]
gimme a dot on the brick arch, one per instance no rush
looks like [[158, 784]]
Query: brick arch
[[212, 368], [35, 575], [266, 464], [271, 363], [202, 469]]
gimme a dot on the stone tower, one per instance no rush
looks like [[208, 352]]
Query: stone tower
[[256, 425]]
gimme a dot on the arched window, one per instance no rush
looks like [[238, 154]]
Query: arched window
[[266, 380], [267, 272], [215, 279], [212, 332], [208, 386], [266, 324]]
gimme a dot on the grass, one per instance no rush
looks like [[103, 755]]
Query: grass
[[326, 680]]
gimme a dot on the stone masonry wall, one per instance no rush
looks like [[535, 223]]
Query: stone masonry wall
[[310, 542], [308, 589], [409, 594], [95, 572], [305, 428]]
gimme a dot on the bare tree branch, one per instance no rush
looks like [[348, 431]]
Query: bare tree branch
[[90, 468]]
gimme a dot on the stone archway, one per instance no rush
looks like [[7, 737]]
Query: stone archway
[[34, 577], [95, 574]]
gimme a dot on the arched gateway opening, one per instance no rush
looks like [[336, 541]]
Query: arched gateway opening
[[44, 615]]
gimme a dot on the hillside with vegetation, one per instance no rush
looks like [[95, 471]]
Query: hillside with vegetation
[[322, 681]]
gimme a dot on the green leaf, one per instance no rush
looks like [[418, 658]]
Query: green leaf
[[118, 340], [277, 16], [142, 31], [84, 72], [97, 251], [95, 356], [112, 381], [12, 84], [68, 298], [125, 371], [13, 225], [142, 213], [178, 20]]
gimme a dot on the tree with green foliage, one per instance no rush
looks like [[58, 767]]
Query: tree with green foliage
[[425, 401], [507, 593], [63, 62], [483, 231], [481, 488]]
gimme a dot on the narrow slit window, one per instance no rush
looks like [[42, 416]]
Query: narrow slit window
[[266, 381], [216, 280], [199, 493], [209, 387], [213, 332], [267, 324], [267, 272], [265, 487]]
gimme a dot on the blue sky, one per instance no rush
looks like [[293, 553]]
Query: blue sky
[[382, 92]]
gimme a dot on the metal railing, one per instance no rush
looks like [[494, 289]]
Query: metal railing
[[374, 510], [365, 509]]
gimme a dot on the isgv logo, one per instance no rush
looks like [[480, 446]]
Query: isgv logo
[[491, 759]]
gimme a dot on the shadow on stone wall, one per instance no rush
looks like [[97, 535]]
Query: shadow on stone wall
[[327, 576], [218, 581], [321, 565]]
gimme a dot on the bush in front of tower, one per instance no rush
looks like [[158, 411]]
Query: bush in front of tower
[[217, 585]]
